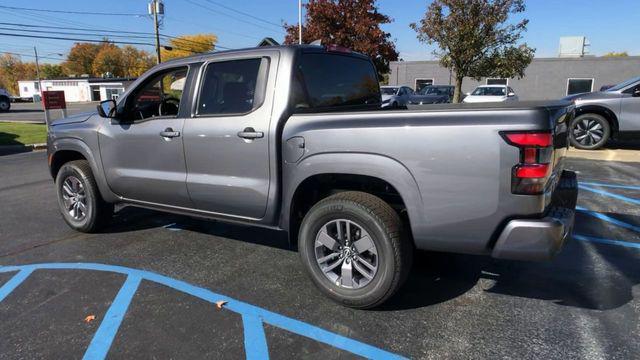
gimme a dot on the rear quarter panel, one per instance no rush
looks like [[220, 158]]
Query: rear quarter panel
[[451, 167]]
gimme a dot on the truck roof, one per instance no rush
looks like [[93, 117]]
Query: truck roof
[[283, 48]]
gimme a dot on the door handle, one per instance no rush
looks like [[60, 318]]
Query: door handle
[[250, 133], [169, 133]]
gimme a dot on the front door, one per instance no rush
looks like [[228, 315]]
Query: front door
[[142, 150], [630, 109], [227, 140]]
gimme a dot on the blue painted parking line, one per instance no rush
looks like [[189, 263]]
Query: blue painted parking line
[[610, 194], [255, 342], [614, 186], [101, 342], [598, 240], [253, 316], [609, 219], [13, 283]]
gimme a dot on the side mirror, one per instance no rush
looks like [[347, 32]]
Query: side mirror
[[107, 108], [511, 94]]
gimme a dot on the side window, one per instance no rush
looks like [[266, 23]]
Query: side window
[[233, 87], [159, 96]]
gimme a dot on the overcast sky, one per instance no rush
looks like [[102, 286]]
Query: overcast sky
[[611, 25]]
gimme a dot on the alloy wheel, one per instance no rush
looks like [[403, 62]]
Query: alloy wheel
[[346, 254], [588, 132], [74, 198]]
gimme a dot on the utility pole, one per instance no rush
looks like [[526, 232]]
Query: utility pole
[[156, 7], [300, 22], [46, 113]]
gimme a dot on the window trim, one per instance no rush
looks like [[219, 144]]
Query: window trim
[[415, 82], [263, 77], [129, 96], [593, 81], [486, 81]]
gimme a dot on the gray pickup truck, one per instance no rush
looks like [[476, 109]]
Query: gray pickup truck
[[292, 138]]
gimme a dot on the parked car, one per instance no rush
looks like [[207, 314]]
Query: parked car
[[433, 94], [5, 100], [395, 96], [491, 93], [293, 138], [602, 115]]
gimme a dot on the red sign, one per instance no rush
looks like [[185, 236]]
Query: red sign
[[53, 100]]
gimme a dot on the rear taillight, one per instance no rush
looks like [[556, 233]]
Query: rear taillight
[[531, 174]]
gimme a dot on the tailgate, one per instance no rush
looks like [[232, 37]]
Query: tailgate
[[560, 117]]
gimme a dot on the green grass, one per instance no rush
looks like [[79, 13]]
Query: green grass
[[14, 133]]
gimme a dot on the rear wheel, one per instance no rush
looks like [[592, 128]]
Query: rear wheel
[[589, 131], [5, 104], [353, 248], [79, 200]]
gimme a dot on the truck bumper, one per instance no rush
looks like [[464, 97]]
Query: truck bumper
[[541, 239]]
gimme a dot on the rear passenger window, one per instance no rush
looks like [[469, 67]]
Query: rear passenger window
[[233, 87]]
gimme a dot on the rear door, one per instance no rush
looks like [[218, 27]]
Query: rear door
[[142, 151], [226, 140]]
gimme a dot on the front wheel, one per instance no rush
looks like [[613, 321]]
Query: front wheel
[[353, 247], [589, 131], [79, 200]]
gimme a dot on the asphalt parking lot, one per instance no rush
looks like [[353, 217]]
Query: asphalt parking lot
[[584, 304], [32, 112]]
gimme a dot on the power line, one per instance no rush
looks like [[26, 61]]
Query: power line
[[94, 40], [71, 12], [75, 39], [217, 12], [20, 54], [243, 13], [149, 35], [74, 33]]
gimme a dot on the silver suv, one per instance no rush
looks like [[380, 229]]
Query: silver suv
[[602, 115]]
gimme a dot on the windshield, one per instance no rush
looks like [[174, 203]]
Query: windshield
[[490, 91], [435, 90], [389, 91], [624, 84]]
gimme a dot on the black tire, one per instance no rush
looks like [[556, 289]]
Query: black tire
[[384, 226], [97, 212], [5, 104], [583, 138], [394, 105]]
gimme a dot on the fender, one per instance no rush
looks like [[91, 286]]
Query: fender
[[601, 109], [368, 164], [75, 144]]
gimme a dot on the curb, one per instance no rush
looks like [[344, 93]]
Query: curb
[[16, 149]]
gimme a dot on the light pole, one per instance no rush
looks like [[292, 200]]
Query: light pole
[[300, 22]]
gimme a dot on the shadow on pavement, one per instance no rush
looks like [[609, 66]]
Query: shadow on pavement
[[583, 275], [133, 219], [10, 145], [627, 144]]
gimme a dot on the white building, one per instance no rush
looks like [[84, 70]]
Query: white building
[[78, 89]]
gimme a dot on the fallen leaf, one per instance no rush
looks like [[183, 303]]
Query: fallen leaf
[[89, 318], [220, 304]]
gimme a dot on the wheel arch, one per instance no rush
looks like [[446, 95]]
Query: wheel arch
[[603, 111], [319, 176], [65, 150]]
